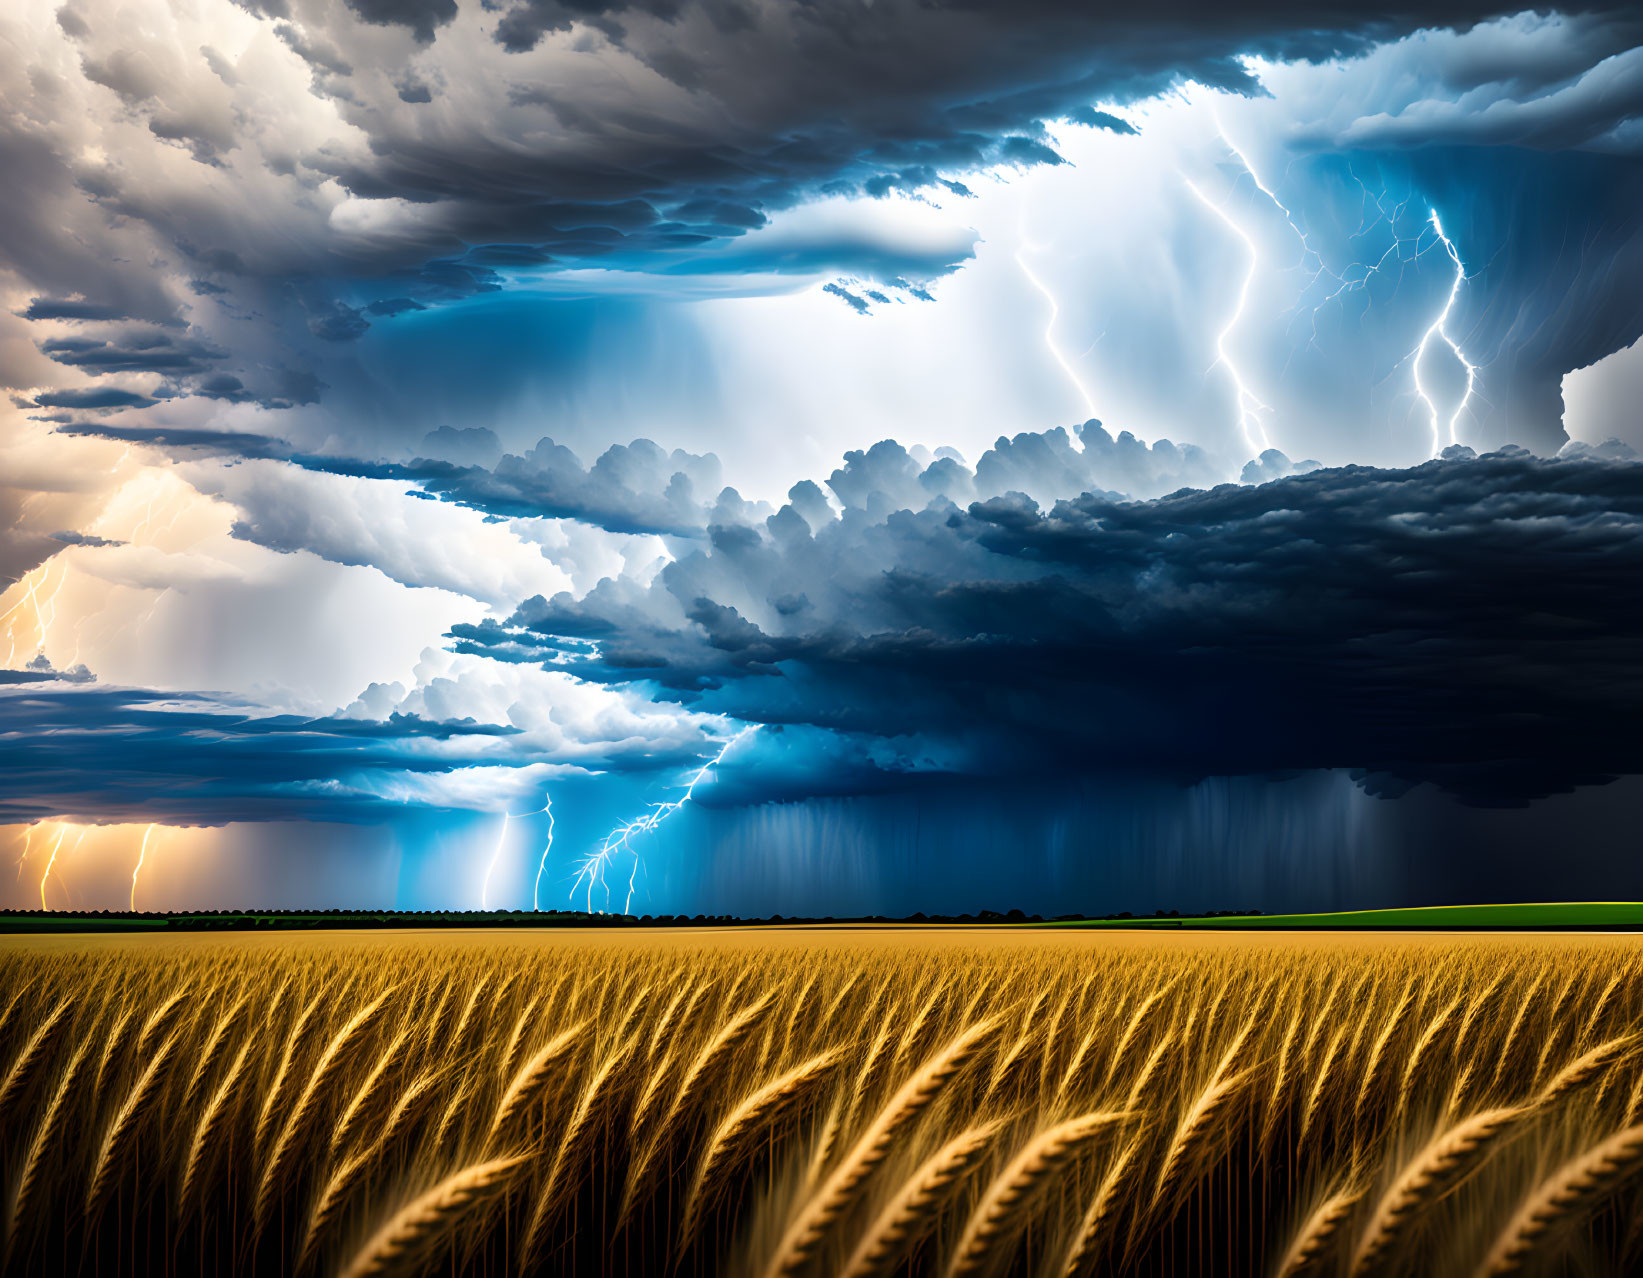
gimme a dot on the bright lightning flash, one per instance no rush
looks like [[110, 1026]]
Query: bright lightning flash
[[621, 839], [1354, 278], [1250, 405], [28, 840], [502, 842], [142, 855], [62, 831], [1440, 332], [536, 890], [29, 619], [1049, 332]]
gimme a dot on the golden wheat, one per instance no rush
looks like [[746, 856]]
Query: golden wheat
[[817, 1101]]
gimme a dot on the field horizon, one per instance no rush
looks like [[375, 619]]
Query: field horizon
[[1504, 916]]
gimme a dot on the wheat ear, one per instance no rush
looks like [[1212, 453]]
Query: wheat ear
[[1194, 1130], [910, 1215], [32, 1056], [212, 1121], [313, 1094], [359, 1105], [139, 1101], [276, 1089], [1002, 1210], [159, 1021], [1099, 1216], [1564, 1199], [1446, 1160], [215, 1048], [827, 1204], [558, 1183], [1319, 1232], [1582, 1070], [516, 1036], [43, 1138], [328, 1205], [748, 1121], [403, 1243], [532, 1077]]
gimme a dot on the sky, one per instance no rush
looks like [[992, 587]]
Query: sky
[[829, 459]]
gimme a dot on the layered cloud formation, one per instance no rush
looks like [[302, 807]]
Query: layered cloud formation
[[1465, 622], [403, 395]]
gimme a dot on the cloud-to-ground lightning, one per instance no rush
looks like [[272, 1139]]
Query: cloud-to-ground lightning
[[1440, 331], [1250, 405], [142, 855], [536, 890], [501, 844], [496, 855], [591, 871], [62, 832]]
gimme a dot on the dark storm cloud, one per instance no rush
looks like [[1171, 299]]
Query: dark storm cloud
[[655, 136], [421, 17], [137, 352], [84, 539], [51, 308], [854, 301], [92, 397], [832, 97], [1472, 622], [122, 754]]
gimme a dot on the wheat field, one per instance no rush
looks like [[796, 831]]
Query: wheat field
[[847, 1102]]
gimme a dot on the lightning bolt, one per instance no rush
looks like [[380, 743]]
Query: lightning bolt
[[37, 600], [536, 891], [1049, 333], [621, 839], [501, 843], [61, 832], [28, 839], [1357, 275], [142, 855], [1250, 405], [485, 884], [1440, 331]]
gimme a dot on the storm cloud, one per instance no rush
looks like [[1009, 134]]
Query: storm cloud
[[1466, 623]]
